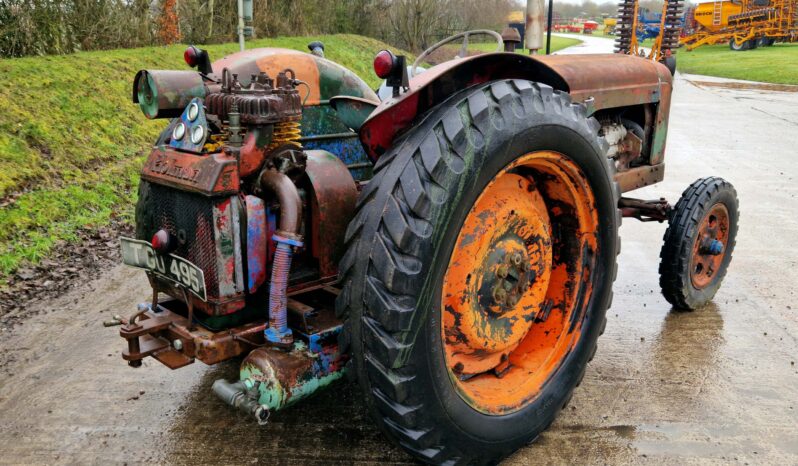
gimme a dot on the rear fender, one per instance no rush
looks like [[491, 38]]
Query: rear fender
[[598, 81]]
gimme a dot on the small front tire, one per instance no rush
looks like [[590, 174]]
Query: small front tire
[[698, 243]]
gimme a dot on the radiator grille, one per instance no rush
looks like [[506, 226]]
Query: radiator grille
[[189, 218]]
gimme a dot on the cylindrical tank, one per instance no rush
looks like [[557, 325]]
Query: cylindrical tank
[[165, 93], [281, 378], [710, 19]]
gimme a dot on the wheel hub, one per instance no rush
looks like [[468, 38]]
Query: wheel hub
[[501, 271], [517, 282], [709, 248], [504, 288]]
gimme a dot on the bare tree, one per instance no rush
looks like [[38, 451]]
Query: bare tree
[[37, 27], [415, 22]]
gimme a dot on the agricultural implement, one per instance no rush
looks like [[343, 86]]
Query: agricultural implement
[[452, 248], [744, 24], [634, 26]]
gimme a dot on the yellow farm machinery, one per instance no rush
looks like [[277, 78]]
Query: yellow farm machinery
[[633, 27], [744, 24]]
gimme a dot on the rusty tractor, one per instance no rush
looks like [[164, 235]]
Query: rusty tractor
[[452, 247]]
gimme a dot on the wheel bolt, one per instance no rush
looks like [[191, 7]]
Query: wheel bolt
[[517, 259], [499, 295], [502, 271]]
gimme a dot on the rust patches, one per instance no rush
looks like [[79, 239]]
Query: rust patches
[[216, 174], [333, 194], [600, 81], [646, 211], [303, 65], [639, 177], [325, 78], [154, 335], [611, 80], [252, 154], [710, 247], [518, 283]]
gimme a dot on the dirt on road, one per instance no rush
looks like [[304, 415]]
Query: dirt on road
[[715, 386]]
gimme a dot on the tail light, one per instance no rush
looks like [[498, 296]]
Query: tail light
[[195, 57], [163, 242], [192, 56], [385, 64]]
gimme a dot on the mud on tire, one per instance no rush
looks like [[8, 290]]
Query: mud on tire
[[398, 246]]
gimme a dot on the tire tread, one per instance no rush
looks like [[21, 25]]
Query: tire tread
[[378, 308]]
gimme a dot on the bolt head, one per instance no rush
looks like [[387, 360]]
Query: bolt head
[[502, 271], [499, 295]]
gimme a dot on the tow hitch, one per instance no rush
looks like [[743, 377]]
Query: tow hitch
[[271, 376]]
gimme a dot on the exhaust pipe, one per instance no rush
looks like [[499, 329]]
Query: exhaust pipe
[[237, 395], [287, 236]]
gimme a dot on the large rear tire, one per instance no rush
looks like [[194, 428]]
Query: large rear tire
[[478, 271]]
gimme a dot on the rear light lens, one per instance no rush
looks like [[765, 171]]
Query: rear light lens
[[192, 56], [162, 242], [384, 63]]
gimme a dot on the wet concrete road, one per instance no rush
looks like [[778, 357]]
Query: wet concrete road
[[716, 386]]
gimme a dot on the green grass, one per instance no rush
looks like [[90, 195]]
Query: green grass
[[777, 64], [72, 142]]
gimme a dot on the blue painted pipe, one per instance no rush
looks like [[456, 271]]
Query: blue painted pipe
[[278, 331], [286, 237]]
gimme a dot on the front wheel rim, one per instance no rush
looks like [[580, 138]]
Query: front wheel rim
[[519, 281], [710, 246]]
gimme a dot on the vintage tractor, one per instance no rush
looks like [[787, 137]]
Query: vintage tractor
[[452, 248]]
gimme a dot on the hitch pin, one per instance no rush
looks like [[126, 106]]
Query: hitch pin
[[115, 320]]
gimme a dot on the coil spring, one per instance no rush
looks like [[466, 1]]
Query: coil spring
[[215, 143], [286, 132]]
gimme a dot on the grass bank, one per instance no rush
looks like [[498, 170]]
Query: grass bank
[[72, 142], [776, 64]]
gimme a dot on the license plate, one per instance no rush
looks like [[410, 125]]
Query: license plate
[[138, 253]]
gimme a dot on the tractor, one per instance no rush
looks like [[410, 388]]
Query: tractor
[[452, 248]]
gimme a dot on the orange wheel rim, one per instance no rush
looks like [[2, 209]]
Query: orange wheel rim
[[518, 282], [710, 246]]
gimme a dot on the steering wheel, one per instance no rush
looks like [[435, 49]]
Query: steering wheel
[[463, 47]]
